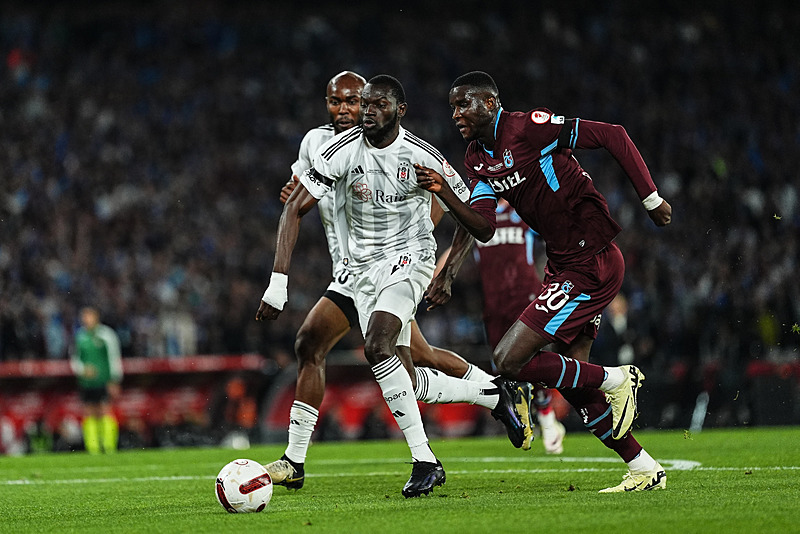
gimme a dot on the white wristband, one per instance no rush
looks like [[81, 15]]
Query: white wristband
[[276, 294], [652, 201]]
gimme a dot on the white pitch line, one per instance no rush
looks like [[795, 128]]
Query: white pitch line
[[28, 482]]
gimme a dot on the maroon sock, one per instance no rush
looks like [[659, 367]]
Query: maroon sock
[[595, 412], [557, 371]]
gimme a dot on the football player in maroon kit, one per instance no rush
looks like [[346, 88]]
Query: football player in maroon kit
[[509, 283], [527, 159]]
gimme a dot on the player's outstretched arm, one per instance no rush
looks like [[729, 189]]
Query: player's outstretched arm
[[440, 289], [300, 201], [470, 219], [616, 141]]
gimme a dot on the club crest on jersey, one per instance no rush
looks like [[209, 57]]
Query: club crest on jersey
[[567, 286], [361, 192], [508, 159], [403, 171]]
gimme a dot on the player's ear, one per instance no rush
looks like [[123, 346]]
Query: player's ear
[[490, 103], [401, 109]]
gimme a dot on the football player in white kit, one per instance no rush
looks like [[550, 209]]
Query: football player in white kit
[[335, 313], [384, 230]]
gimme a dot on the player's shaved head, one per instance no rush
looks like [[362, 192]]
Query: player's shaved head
[[479, 80], [347, 77]]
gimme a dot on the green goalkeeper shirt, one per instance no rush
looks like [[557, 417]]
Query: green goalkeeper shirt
[[98, 349]]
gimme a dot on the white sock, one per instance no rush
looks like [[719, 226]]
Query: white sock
[[398, 393], [643, 463], [477, 374], [302, 420], [435, 387], [614, 377]]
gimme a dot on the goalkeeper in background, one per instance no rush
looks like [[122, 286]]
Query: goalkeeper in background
[[97, 364]]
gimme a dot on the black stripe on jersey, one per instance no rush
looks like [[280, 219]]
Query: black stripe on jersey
[[424, 145], [319, 178], [351, 135], [566, 133]]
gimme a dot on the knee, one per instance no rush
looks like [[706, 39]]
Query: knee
[[376, 350], [308, 349], [504, 365]]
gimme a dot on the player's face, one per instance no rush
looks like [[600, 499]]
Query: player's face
[[470, 112], [380, 115], [343, 99]]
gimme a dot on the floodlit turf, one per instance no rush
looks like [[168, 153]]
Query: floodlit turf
[[723, 480]]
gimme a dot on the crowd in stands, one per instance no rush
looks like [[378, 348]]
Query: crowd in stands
[[143, 147]]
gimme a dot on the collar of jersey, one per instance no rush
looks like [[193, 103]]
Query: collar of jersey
[[496, 122], [400, 134]]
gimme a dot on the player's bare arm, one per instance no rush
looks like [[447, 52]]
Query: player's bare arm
[[300, 201], [440, 289], [470, 219], [287, 189]]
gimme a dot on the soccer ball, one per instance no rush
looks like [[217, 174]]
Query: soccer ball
[[243, 486]]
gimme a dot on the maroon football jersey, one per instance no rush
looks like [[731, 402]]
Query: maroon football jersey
[[532, 166], [508, 273]]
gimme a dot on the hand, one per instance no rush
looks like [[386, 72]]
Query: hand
[[439, 292], [287, 189], [89, 371], [266, 312], [662, 215], [429, 179]]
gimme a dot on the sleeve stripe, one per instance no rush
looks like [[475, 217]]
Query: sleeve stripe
[[574, 137], [353, 134], [474, 199], [414, 140], [482, 190]]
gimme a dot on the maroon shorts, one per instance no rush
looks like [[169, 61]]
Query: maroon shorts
[[573, 299]]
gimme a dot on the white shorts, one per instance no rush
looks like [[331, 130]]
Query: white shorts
[[394, 286], [342, 282]]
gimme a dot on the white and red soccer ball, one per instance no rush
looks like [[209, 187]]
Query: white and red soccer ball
[[243, 486]]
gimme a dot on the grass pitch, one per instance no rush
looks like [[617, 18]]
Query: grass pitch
[[722, 480]]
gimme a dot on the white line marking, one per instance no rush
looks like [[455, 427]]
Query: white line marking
[[675, 465]]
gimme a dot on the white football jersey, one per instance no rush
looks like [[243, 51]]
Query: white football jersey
[[380, 209], [311, 142]]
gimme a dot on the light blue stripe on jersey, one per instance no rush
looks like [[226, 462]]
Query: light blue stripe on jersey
[[565, 312], [549, 148], [481, 190], [546, 163], [573, 138]]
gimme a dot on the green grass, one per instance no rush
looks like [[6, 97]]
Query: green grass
[[742, 481]]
